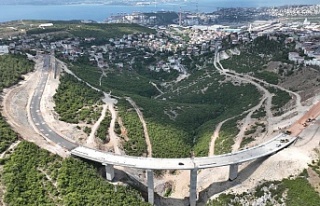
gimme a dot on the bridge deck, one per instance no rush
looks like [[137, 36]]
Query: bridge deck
[[274, 145]]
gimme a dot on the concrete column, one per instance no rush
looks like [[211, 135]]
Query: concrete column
[[109, 172], [193, 187], [233, 172], [150, 186]]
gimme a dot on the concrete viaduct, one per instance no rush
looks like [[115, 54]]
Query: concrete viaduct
[[193, 164], [149, 164]]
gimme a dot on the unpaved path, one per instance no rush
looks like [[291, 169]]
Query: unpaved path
[[215, 136], [110, 102], [114, 139], [272, 121], [157, 88], [267, 97], [245, 125], [145, 128], [91, 140], [12, 147]]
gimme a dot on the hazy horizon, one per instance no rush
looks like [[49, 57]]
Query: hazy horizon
[[98, 12]]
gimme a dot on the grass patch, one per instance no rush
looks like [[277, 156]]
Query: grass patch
[[267, 76], [279, 99], [246, 141]]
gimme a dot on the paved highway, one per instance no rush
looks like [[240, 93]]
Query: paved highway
[[279, 142], [36, 114]]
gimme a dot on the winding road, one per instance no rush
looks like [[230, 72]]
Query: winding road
[[279, 142], [109, 159], [36, 115], [267, 97]]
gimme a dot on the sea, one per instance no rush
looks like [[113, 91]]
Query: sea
[[100, 13]]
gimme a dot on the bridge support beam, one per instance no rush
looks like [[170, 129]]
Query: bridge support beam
[[193, 187], [233, 172], [150, 187], [109, 172]]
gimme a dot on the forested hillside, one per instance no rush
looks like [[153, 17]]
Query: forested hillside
[[11, 69], [75, 101], [33, 176], [177, 121]]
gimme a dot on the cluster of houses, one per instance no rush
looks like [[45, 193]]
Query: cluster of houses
[[181, 41], [309, 52], [299, 10]]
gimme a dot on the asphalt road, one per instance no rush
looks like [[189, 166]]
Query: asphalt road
[[36, 115]]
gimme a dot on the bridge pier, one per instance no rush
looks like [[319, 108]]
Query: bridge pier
[[150, 187], [109, 172], [233, 172], [193, 187]]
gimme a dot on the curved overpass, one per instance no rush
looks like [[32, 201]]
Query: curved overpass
[[274, 145], [110, 159]]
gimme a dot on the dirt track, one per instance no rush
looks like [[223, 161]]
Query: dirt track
[[300, 125]]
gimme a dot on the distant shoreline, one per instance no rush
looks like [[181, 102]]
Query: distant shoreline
[[99, 12]]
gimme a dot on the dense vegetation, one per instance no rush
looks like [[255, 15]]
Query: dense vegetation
[[75, 101], [182, 119], [47, 179], [136, 145], [7, 135], [11, 69], [279, 99], [102, 132], [174, 119]]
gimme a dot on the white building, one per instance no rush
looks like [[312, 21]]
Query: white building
[[45, 25], [295, 57], [4, 49]]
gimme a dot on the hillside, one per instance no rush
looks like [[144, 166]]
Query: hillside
[[47, 179], [33, 176]]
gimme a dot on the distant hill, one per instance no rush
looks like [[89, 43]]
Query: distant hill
[[100, 32], [53, 2], [61, 2]]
